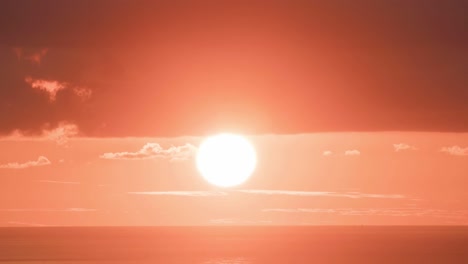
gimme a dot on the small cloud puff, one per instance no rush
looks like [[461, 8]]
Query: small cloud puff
[[455, 150], [154, 150], [353, 152], [34, 56], [403, 146], [327, 153], [51, 87], [41, 161], [83, 92]]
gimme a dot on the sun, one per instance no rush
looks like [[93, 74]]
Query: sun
[[226, 160]]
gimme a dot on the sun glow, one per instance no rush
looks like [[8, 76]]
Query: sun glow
[[226, 160]]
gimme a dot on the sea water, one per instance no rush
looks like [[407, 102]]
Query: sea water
[[239, 245]]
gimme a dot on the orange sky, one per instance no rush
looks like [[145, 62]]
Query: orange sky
[[358, 111], [331, 178]]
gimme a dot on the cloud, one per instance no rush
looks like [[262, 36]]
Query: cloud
[[403, 146], [154, 150], [455, 150], [59, 182], [184, 193], [72, 209], [60, 134], [353, 152], [51, 87], [34, 56], [327, 153], [353, 195], [41, 161], [83, 92], [438, 213]]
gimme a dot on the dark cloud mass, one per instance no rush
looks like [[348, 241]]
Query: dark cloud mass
[[165, 68]]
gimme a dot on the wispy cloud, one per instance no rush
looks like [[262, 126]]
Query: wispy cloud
[[41, 161], [154, 150], [52, 87], [34, 56], [59, 182], [403, 146], [439, 213], [83, 92], [72, 209], [327, 153], [455, 150], [353, 195], [184, 193], [353, 152]]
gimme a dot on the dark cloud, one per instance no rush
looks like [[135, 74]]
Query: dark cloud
[[203, 66]]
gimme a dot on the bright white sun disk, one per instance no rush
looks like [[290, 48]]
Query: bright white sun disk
[[226, 160]]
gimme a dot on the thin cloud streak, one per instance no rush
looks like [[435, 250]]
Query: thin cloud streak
[[353, 195], [41, 161], [438, 213], [25, 224], [184, 193], [72, 209], [59, 182]]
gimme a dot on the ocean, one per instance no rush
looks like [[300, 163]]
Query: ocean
[[239, 245]]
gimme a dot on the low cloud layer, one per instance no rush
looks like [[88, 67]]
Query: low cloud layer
[[184, 193], [353, 195], [154, 150], [455, 150], [41, 161], [438, 213], [60, 134]]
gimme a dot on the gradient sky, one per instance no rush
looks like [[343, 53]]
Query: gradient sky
[[358, 111]]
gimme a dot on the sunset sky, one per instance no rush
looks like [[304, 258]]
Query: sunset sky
[[358, 111]]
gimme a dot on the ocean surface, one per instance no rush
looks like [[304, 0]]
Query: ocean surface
[[240, 245]]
